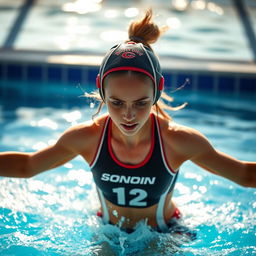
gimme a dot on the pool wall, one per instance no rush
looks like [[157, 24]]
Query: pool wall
[[232, 78]]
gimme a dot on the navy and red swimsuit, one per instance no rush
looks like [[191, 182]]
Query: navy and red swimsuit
[[141, 185]]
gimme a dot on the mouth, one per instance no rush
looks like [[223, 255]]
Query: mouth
[[129, 127]]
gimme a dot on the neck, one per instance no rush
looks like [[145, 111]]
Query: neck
[[141, 136]]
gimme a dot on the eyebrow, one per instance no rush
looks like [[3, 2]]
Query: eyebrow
[[141, 99]]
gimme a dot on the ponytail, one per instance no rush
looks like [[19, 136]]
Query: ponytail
[[144, 30]]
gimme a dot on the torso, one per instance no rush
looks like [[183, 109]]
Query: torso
[[135, 156]]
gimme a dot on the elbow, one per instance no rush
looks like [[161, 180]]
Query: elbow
[[248, 183], [248, 179], [26, 170], [25, 174]]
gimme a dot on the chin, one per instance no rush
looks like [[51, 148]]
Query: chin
[[131, 132]]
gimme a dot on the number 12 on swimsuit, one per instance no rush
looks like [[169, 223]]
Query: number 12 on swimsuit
[[139, 194]]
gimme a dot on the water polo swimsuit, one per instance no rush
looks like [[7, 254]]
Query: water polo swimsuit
[[139, 186]]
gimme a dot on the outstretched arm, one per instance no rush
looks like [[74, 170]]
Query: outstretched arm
[[25, 165], [241, 172], [77, 140], [194, 146]]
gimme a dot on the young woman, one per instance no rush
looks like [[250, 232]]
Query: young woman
[[135, 150]]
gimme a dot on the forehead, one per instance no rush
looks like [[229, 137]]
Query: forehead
[[128, 85]]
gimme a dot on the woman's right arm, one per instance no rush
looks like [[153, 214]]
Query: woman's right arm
[[25, 165]]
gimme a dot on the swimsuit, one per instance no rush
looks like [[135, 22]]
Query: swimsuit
[[139, 186]]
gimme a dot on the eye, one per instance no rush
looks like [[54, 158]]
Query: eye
[[141, 103], [117, 103]]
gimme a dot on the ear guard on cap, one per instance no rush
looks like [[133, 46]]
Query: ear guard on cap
[[161, 84], [98, 81]]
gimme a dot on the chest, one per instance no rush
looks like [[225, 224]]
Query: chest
[[130, 183], [130, 154]]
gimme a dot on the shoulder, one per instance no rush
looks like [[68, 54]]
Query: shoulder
[[183, 139], [169, 128], [84, 135], [90, 127]]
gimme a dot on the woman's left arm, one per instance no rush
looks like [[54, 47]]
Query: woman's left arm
[[204, 155]]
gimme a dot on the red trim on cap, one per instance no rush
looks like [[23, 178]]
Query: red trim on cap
[[129, 166], [129, 68]]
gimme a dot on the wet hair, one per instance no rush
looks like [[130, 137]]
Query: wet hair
[[146, 32]]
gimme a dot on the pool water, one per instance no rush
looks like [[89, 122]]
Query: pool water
[[54, 213], [98, 25]]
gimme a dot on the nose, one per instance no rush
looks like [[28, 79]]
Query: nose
[[128, 114]]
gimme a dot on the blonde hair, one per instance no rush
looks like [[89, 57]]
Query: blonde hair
[[145, 31]]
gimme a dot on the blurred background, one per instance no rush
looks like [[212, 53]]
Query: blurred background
[[208, 29], [206, 40]]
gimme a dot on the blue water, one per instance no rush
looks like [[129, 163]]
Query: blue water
[[54, 212], [98, 25]]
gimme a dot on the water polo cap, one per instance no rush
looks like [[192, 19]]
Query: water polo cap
[[135, 57]]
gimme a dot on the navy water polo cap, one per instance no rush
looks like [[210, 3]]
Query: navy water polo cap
[[135, 57]]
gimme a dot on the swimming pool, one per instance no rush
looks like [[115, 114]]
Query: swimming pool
[[54, 213]]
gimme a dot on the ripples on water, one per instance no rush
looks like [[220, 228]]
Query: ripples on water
[[54, 213]]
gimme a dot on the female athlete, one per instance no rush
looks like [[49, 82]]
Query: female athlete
[[135, 150]]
